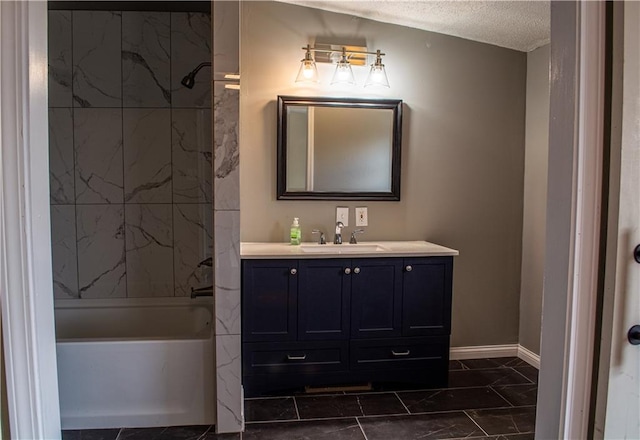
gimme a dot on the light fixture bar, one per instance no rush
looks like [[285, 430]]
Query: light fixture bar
[[344, 57], [341, 49]]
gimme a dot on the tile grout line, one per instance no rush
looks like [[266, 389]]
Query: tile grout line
[[530, 381], [204, 434], [295, 405], [361, 428], [268, 398], [501, 396], [375, 416], [401, 401], [476, 423]]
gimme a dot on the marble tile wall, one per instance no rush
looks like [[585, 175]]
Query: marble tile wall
[[131, 153], [226, 204]]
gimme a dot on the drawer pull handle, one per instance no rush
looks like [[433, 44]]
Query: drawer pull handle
[[400, 353], [296, 358], [408, 268], [294, 271]]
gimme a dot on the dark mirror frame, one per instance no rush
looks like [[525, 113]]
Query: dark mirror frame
[[288, 101]]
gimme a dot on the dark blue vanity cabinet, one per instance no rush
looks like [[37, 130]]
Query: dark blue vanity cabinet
[[333, 321], [269, 301]]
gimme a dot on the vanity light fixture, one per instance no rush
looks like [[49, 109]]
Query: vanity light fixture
[[377, 74], [308, 71], [343, 74]]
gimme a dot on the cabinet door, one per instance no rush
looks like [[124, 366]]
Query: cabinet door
[[376, 297], [426, 297], [269, 291], [323, 300]]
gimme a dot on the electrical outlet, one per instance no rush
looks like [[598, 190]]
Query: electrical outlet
[[362, 217], [342, 215]]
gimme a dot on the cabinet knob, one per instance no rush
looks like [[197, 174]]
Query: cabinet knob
[[347, 271], [294, 271], [408, 268], [356, 270]]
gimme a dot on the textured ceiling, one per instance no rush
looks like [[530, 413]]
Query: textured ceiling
[[519, 25]]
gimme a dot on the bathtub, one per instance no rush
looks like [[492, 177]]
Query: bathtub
[[135, 362]]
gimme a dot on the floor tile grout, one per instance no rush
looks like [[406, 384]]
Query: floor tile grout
[[501, 396], [523, 375], [476, 423], [295, 405], [362, 429], [402, 401]]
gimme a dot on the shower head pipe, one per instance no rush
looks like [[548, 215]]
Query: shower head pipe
[[190, 79]]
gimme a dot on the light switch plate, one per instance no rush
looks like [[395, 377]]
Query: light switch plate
[[342, 215], [362, 217]]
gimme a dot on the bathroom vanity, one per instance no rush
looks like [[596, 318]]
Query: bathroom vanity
[[322, 315]]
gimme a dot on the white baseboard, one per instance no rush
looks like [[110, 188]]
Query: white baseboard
[[495, 351], [529, 356], [483, 351]]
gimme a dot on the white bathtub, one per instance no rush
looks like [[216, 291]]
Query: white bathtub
[[135, 362]]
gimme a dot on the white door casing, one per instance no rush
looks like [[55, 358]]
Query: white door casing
[[573, 214], [26, 284]]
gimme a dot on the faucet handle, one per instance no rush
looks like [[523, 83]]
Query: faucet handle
[[321, 239], [353, 235]]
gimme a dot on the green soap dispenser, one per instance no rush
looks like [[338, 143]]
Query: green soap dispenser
[[296, 232]]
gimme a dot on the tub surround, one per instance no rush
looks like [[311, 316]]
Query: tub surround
[[386, 249], [226, 207], [130, 153]]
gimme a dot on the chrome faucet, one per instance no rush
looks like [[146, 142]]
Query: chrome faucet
[[353, 236], [338, 238], [321, 239]]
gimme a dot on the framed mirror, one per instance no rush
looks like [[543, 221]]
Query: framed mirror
[[338, 148]]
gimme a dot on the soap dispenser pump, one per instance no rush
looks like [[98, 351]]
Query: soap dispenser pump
[[296, 232]]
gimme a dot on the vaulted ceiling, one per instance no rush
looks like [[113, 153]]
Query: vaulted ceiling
[[518, 25]]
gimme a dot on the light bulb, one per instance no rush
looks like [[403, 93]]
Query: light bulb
[[377, 75], [308, 71], [343, 73]]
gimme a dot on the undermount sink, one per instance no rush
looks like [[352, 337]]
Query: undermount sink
[[341, 248]]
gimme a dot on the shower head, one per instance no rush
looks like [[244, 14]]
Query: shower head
[[190, 79]]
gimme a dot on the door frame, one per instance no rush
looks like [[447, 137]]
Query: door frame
[[574, 198], [25, 259]]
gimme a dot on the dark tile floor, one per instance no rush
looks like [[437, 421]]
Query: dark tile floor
[[487, 398]]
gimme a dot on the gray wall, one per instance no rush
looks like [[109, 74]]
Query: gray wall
[[535, 197], [463, 151]]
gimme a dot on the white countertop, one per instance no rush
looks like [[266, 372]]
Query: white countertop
[[346, 250]]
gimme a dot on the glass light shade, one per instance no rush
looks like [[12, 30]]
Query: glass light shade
[[377, 76], [308, 71], [343, 73]]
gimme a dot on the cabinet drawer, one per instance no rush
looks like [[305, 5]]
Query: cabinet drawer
[[294, 357], [399, 353]]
